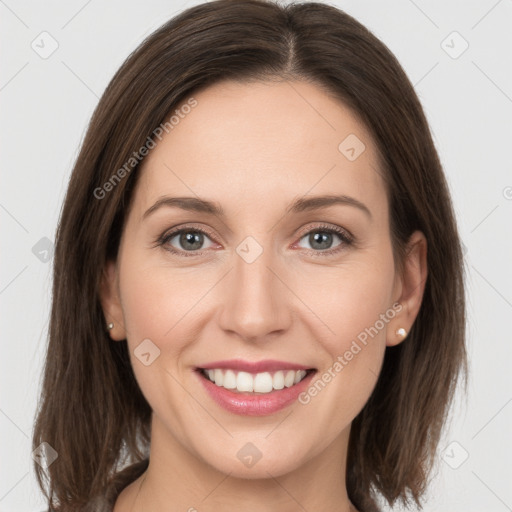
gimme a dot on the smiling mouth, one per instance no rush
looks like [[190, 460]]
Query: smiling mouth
[[256, 383]]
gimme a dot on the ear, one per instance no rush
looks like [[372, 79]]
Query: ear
[[110, 301], [409, 288]]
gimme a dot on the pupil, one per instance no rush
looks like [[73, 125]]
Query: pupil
[[324, 240]]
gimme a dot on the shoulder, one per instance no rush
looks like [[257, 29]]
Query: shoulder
[[124, 486], [100, 504], [121, 492], [126, 498]]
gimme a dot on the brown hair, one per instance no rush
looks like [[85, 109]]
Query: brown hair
[[91, 409]]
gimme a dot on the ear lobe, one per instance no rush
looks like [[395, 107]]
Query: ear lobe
[[110, 301], [412, 287]]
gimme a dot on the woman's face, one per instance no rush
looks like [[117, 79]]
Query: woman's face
[[269, 278]]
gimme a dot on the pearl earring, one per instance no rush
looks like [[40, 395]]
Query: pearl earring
[[401, 332], [110, 326]]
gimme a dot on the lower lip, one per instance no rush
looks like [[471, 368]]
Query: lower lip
[[250, 404]]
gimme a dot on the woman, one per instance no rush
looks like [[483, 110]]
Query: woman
[[258, 292]]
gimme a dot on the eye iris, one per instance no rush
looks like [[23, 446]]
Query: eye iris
[[191, 237], [323, 238]]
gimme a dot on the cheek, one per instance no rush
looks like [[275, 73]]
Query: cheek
[[159, 304], [156, 302], [349, 300], [353, 307]]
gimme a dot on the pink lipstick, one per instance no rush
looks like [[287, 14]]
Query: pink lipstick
[[254, 388]]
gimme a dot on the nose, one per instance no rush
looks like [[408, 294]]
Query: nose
[[255, 298]]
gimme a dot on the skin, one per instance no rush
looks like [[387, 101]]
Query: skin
[[254, 149]]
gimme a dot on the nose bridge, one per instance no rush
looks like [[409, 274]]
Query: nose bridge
[[255, 303]]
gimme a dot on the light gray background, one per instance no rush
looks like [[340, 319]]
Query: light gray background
[[46, 105]]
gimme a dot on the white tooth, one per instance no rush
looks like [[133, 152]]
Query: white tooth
[[244, 381], [263, 382], [229, 379], [289, 378], [278, 380], [260, 383], [219, 378]]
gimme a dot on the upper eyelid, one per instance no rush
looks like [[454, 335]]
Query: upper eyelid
[[325, 226], [171, 233]]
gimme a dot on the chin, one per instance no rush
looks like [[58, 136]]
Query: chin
[[250, 463]]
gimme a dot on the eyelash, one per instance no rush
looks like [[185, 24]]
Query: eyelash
[[346, 238]]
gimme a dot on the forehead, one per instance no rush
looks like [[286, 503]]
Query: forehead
[[244, 141]]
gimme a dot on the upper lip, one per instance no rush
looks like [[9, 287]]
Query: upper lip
[[267, 365]]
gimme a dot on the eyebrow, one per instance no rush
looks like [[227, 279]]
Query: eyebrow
[[195, 204]]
